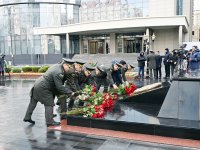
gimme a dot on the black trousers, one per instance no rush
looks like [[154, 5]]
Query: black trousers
[[167, 70], [31, 108], [158, 72]]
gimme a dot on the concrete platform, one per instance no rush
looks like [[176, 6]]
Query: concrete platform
[[18, 135]]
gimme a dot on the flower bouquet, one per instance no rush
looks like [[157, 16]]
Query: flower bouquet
[[96, 104]]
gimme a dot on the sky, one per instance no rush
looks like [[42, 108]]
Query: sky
[[196, 4]]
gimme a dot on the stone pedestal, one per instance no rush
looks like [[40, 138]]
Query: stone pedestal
[[182, 100]]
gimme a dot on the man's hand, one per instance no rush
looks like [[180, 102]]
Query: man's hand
[[76, 93], [115, 86]]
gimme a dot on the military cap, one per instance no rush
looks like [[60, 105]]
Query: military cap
[[116, 62], [122, 62], [101, 68], [80, 62], [131, 65], [68, 61], [89, 67]]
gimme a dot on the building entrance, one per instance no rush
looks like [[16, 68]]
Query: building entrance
[[132, 45], [96, 47]]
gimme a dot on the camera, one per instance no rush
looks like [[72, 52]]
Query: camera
[[180, 52]]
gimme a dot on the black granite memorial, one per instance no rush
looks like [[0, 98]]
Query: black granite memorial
[[170, 110]]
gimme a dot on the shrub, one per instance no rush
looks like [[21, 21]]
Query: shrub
[[8, 69], [43, 69], [16, 70], [35, 68], [27, 69]]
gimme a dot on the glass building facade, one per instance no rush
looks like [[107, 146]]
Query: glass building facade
[[96, 10], [18, 19]]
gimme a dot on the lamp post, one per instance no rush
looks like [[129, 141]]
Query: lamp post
[[146, 43], [153, 37]]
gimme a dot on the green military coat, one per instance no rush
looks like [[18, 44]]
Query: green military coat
[[49, 85]]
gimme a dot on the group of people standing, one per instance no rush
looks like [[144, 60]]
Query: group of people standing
[[66, 80], [183, 62], [179, 60], [154, 61]]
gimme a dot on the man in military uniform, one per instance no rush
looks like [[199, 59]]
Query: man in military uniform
[[116, 72], [103, 77], [85, 76], [45, 89], [72, 83], [124, 68]]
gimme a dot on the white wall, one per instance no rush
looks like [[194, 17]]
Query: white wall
[[162, 8], [187, 11], [115, 25], [167, 38]]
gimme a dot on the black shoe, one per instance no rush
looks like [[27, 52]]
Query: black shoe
[[29, 120], [53, 124], [54, 115]]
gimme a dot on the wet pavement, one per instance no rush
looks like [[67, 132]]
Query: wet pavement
[[18, 135]]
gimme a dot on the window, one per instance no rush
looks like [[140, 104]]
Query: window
[[192, 32], [179, 7]]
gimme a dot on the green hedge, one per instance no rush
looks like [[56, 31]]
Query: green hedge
[[43, 69], [35, 68], [27, 69], [16, 70], [8, 69]]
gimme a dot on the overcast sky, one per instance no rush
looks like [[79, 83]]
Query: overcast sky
[[196, 4]]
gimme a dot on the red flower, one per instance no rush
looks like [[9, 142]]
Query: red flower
[[94, 116], [93, 88], [92, 93], [115, 96]]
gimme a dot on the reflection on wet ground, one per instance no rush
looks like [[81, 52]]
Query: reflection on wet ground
[[17, 135], [134, 112]]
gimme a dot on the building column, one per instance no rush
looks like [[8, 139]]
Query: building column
[[180, 36], [147, 41], [123, 46], [112, 43], [67, 43], [44, 43], [80, 45]]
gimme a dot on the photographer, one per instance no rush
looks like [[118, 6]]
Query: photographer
[[194, 62], [166, 62], [173, 61]]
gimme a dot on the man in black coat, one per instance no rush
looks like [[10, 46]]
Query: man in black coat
[[141, 64], [166, 62], [46, 88], [158, 65], [2, 66]]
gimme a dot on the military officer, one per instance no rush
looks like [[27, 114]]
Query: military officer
[[124, 68], [85, 76], [72, 83], [116, 72], [103, 77], [46, 87]]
